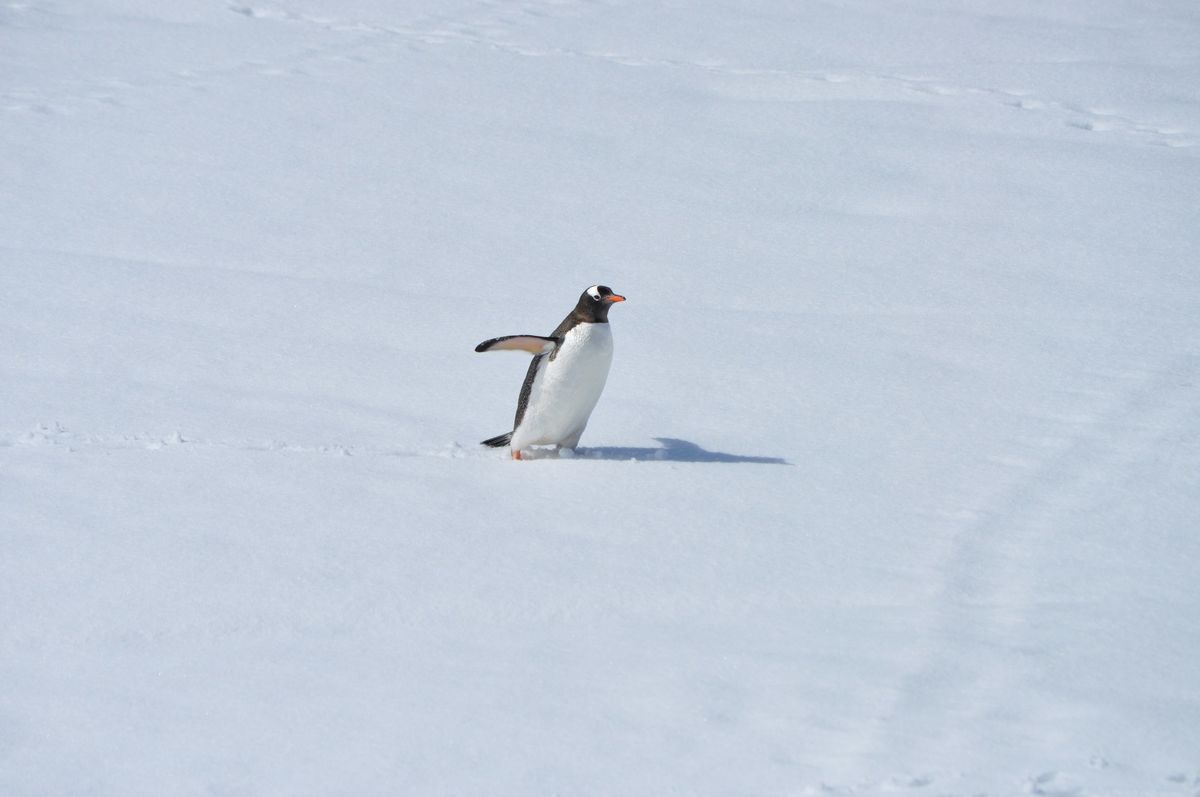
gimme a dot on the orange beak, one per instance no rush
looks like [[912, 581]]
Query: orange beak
[[614, 298]]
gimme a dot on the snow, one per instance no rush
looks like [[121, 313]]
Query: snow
[[894, 486]]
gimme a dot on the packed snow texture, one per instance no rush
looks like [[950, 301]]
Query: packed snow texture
[[894, 487]]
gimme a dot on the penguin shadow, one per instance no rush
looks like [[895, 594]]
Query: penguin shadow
[[674, 450]]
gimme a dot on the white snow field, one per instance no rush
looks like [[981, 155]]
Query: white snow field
[[894, 487]]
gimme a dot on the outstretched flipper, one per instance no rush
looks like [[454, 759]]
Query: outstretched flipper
[[534, 344]]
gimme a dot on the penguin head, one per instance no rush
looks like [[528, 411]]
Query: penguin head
[[595, 301]]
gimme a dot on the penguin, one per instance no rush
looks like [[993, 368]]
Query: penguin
[[566, 377]]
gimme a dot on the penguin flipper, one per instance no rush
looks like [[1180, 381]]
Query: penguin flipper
[[534, 344]]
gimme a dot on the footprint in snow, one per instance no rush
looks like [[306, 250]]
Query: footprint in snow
[[1052, 784]]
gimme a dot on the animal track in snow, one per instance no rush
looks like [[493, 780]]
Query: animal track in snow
[[1042, 783], [490, 27], [800, 86], [60, 436], [1099, 120], [1052, 784], [489, 31]]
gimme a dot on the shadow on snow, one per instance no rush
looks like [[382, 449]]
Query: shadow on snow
[[673, 450]]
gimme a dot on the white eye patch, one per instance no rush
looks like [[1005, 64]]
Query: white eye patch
[[594, 292]]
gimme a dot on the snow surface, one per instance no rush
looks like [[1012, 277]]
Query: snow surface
[[895, 485]]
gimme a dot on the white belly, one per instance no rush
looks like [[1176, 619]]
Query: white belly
[[566, 389]]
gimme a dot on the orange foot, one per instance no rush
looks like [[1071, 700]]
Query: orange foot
[[516, 454]]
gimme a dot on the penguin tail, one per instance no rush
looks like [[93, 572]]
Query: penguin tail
[[499, 441]]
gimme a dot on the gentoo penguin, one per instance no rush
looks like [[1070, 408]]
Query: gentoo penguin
[[566, 376]]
